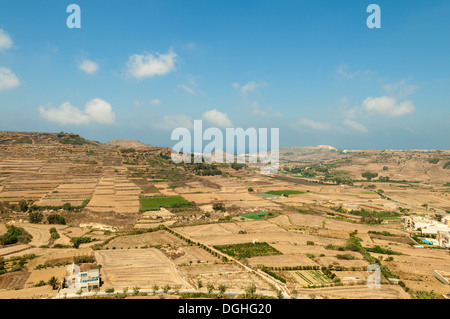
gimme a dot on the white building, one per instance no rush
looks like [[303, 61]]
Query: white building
[[443, 238], [426, 225], [86, 281]]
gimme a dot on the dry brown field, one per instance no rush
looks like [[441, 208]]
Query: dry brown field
[[139, 268]]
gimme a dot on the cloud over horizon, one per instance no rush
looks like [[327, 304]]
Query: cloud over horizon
[[96, 110], [217, 118], [356, 126], [388, 106]]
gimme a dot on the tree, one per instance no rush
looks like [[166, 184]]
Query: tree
[[222, 289], [199, 284], [56, 219], [369, 175], [53, 282], [210, 288], [250, 292], [23, 206], [219, 207], [166, 289], [155, 288], [77, 241], [35, 218], [280, 294]]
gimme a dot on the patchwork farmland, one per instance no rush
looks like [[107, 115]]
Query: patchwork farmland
[[146, 222]]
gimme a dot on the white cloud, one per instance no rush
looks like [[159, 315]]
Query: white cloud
[[320, 126], [100, 111], [187, 89], [342, 71], [356, 126], [143, 66], [64, 114], [170, 122], [5, 40], [217, 118], [191, 86], [155, 101], [249, 87], [96, 110], [388, 106], [88, 66], [400, 89], [8, 80]]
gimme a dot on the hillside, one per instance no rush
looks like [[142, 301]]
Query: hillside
[[34, 138], [128, 143], [309, 154]]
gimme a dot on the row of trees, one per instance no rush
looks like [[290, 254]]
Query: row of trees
[[37, 217]]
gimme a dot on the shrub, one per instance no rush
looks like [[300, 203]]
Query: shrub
[[219, 207], [77, 241], [345, 257], [23, 206], [53, 233], [426, 295], [56, 219], [35, 218], [14, 235], [379, 250]]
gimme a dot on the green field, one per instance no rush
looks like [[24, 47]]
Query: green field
[[313, 277], [155, 203], [248, 250], [255, 215], [285, 192]]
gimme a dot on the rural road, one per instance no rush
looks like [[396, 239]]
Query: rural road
[[231, 294]]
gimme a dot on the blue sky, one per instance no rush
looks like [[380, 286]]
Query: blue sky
[[138, 69]]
